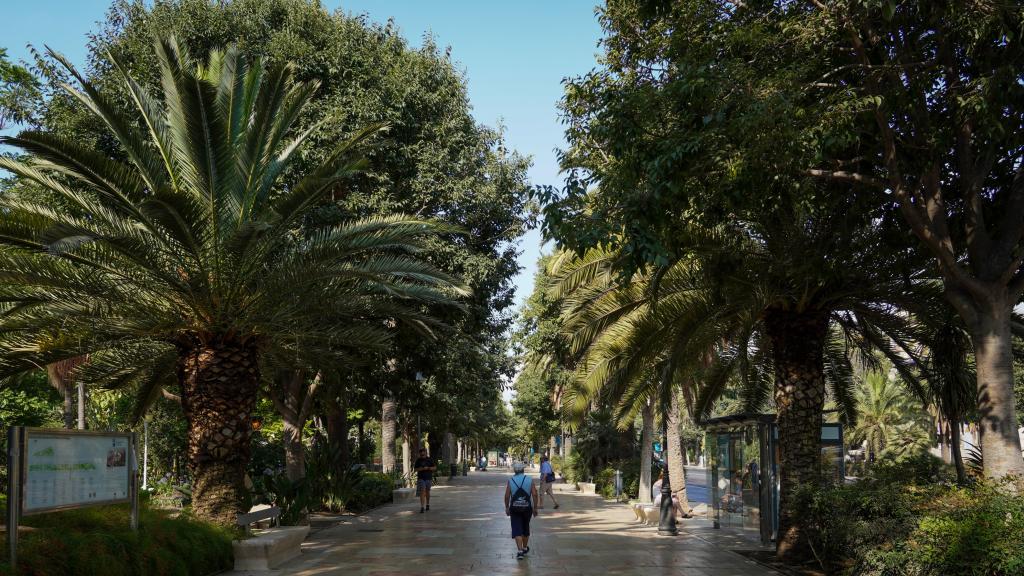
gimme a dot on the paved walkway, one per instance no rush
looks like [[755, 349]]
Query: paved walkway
[[467, 533]]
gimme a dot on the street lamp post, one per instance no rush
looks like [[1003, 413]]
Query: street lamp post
[[667, 518]]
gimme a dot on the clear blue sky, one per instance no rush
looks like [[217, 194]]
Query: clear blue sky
[[515, 55]]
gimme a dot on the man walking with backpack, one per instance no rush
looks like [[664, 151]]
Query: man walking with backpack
[[520, 494]]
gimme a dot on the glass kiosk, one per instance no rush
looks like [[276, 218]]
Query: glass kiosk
[[743, 470]]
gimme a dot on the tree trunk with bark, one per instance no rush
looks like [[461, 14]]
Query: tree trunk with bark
[[406, 455], [337, 432], [798, 340], [293, 398], [387, 424], [958, 457], [294, 452], [646, 443], [674, 445], [219, 378], [361, 447], [944, 443], [993, 353]]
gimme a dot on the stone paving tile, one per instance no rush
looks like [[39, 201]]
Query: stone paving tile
[[467, 534]]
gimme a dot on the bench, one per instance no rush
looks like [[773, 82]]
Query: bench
[[587, 487], [400, 494], [268, 548]]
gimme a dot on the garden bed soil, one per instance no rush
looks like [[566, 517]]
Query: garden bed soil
[[767, 559]]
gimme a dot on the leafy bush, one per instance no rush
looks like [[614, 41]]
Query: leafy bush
[[604, 481], [576, 469], [895, 523], [373, 489], [99, 541]]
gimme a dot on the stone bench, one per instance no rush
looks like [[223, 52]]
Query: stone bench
[[266, 549], [399, 494], [269, 548], [587, 487]]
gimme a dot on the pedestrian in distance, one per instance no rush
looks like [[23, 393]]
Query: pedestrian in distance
[[547, 482], [425, 467], [520, 494]]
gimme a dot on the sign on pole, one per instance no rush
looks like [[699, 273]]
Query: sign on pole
[[51, 470]]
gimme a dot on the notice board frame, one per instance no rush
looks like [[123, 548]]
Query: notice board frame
[[17, 475]]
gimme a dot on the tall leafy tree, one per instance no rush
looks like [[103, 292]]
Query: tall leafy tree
[[684, 138], [934, 91], [19, 92], [187, 249]]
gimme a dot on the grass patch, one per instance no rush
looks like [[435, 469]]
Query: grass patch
[[99, 541]]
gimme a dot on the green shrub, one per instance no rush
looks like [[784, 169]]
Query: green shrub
[[576, 469], [99, 541], [373, 489], [604, 481], [894, 523]]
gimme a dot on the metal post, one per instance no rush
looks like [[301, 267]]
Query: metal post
[[133, 484], [667, 518], [145, 454], [618, 483], [81, 406], [13, 492]]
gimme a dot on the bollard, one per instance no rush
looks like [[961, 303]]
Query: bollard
[[618, 483]]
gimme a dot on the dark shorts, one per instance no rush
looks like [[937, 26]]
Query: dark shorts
[[422, 485], [520, 523]]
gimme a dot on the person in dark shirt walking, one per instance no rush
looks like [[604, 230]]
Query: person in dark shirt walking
[[425, 467]]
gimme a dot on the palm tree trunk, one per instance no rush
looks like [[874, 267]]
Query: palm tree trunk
[[387, 424], [646, 443], [798, 340], [59, 375], [674, 445], [219, 380]]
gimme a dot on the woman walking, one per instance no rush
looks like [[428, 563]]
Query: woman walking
[[520, 494], [547, 482]]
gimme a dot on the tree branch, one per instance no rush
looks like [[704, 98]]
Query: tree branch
[[307, 402], [849, 177]]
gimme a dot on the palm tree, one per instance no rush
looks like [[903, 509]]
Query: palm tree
[[888, 421], [184, 260]]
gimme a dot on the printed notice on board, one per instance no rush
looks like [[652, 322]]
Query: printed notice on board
[[74, 470]]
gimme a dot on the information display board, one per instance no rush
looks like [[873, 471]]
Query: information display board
[[62, 469]]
